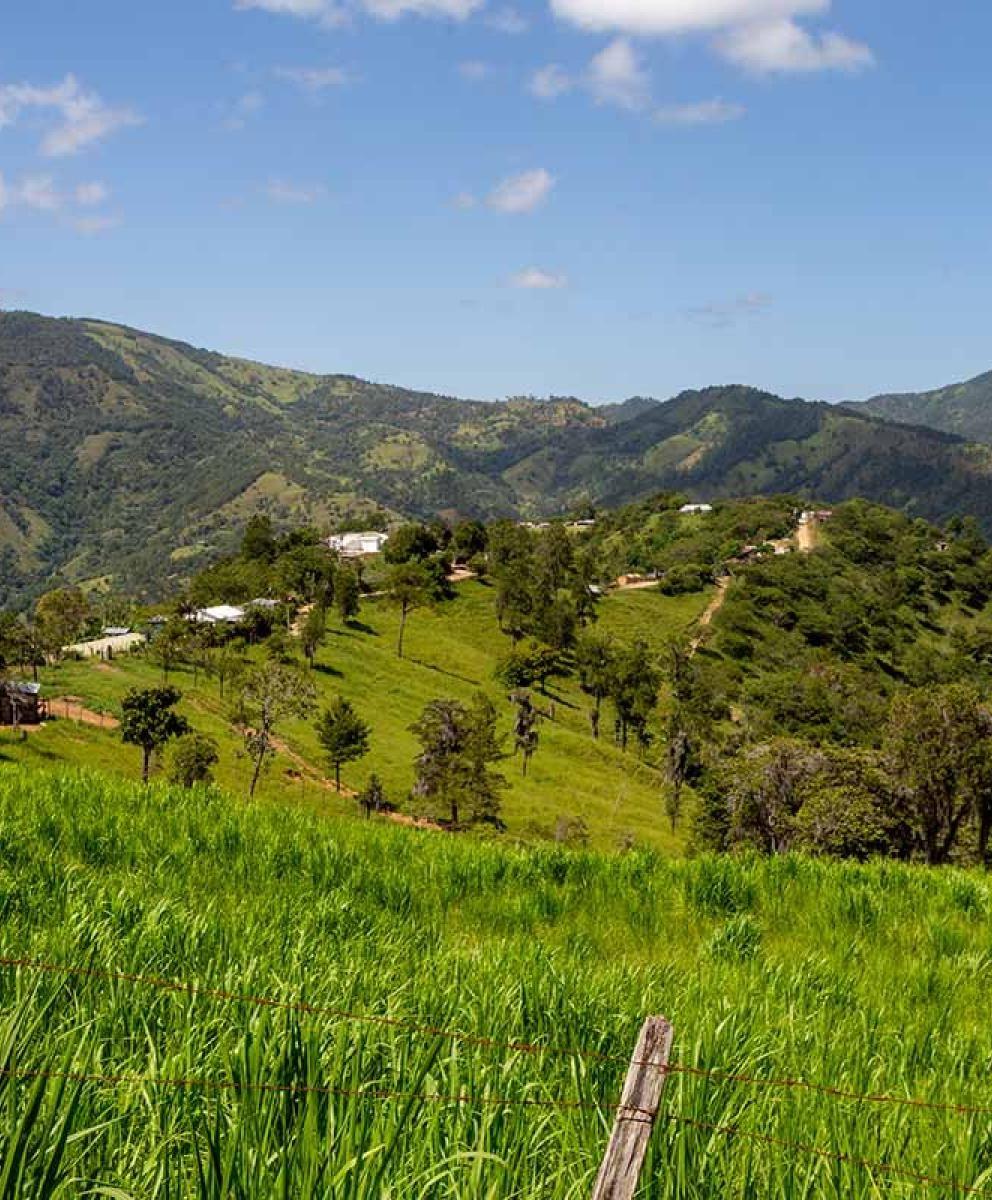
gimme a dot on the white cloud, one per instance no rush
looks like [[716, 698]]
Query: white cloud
[[617, 76], [537, 280], [243, 109], [721, 314], [522, 193], [550, 82], [314, 79], [84, 117], [508, 20], [91, 195], [337, 12], [759, 35], [475, 71], [784, 46], [39, 193], [92, 225], [667, 17], [465, 201], [282, 192], [700, 112]]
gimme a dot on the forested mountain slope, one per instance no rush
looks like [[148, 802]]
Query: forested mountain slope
[[128, 455], [962, 408]]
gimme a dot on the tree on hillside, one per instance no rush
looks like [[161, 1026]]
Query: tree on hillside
[[60, 616], [148, 720], [938, 742], [347, 594], [372, 798], [410, 543], [525, 735], [459, 746], [313, 634], [190, 759], [679, 758], [259, 540], [408, 586], [270, 693], [594, 654], [168, 646], [634, 685], [343, 735], [226, 663]]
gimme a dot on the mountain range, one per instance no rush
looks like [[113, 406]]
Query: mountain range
[[964, 409], [130, 458]]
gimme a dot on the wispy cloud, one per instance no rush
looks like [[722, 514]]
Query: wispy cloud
[[475, 71], [280, 191], [332, 13], [721, 314], [535, 279], [314, 79], [82, 116], [700, 112], [617, 76], [550, 82], [92, 225], [784, 47], [759, 35], [242, 110], [91, 195], [509, 21], [522, 193], [40, 193]]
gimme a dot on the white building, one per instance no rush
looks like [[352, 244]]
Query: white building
[[219, 614], [695, 509], [357, 545]]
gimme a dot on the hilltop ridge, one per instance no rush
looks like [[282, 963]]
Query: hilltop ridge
[[136, 457]]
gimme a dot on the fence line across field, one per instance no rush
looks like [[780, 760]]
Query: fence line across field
[[714, 1074], [633, 1115]]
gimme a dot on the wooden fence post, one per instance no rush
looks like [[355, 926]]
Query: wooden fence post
[[639, 1103]]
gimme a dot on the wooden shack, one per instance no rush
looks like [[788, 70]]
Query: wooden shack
[[21, 703]]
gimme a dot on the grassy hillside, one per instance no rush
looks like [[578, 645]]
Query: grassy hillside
[[964, 409], [132, 459], [451, 652], [869, 979]]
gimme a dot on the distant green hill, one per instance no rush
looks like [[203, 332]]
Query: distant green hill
[[963, 408], [129, 456]]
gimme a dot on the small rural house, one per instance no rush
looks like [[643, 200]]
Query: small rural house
[[219, 614], [695, 510], [357, 545], [21, 703]]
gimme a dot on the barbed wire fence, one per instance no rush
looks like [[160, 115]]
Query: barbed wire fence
[[640, 1066]]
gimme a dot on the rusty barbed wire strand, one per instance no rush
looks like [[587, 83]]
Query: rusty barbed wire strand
[[894, 1172], [714, 1074]]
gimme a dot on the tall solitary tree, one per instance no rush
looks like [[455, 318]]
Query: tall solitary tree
[[149, 720], [459, 746], [347, 594], [313, 633], [594, 655], [525, 733], [269, 694], [343, 735], [408, 586]]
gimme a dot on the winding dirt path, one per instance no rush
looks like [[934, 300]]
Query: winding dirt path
[[714, 606]]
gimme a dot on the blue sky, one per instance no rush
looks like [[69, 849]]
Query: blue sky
[[591, 197]]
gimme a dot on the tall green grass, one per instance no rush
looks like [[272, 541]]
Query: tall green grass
[[874, 979]]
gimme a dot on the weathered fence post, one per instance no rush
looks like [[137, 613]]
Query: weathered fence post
[[639, 1103]]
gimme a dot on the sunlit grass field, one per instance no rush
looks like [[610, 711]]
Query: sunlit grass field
[[451, 652], [873, 979]]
